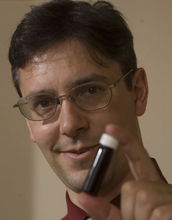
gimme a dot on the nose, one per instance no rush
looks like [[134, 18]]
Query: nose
[[72, 119]]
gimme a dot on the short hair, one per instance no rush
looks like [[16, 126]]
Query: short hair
[[99, 27]]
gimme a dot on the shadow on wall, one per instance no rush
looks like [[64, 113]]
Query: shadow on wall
[[16, 159], [16, 168], [29, 190]]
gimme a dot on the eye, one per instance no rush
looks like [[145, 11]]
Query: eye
[[44, 103], [41, 102], [92, 90], [89, 92]]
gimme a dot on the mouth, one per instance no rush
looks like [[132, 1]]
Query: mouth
[[81, 154]]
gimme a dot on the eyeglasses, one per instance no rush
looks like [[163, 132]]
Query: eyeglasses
[[87, 96]]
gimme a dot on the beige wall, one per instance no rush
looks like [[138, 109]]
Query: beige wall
[[29, 190]]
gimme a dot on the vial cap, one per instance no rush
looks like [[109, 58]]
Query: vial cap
[[109, 141]]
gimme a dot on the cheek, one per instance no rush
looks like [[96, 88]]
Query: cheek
[[45, 135], [100, 118], [120, 112], [113, 113]]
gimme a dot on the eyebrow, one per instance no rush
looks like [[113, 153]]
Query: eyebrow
[[90, 78]]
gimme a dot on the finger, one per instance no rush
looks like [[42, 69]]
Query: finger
[[98, 208], [139, 198], [150, 196], [139, 161], [162, 212], [128, 194]]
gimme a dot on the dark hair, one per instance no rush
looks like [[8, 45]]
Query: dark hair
[[99, 26]]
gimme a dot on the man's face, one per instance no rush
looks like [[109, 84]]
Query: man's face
[[70, 140]]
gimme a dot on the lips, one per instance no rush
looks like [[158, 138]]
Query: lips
[[81, 154]]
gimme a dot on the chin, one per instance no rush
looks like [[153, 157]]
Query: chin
[[76, 185], [75, 181]]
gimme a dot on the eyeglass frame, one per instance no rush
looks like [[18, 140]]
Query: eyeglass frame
[[70, 97]]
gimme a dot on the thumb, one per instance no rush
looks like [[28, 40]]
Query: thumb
[[98, 208]]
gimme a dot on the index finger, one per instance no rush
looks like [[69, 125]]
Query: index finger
[[98, 208], [139, 161]]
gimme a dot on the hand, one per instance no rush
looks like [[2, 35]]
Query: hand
[[145, 198]]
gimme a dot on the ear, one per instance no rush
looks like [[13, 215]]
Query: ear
[[140, 89], [31, 134]]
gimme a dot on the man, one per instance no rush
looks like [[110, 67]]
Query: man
[[75, 69]]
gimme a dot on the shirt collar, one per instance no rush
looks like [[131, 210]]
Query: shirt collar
[[74, 212]]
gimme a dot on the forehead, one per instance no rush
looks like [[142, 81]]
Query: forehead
[[62, 66], [57, 55]]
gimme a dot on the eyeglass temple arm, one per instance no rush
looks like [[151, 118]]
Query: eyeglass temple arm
[[16, 105], [123, 77]]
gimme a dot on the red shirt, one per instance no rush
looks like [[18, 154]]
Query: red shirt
[[75, 213]]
